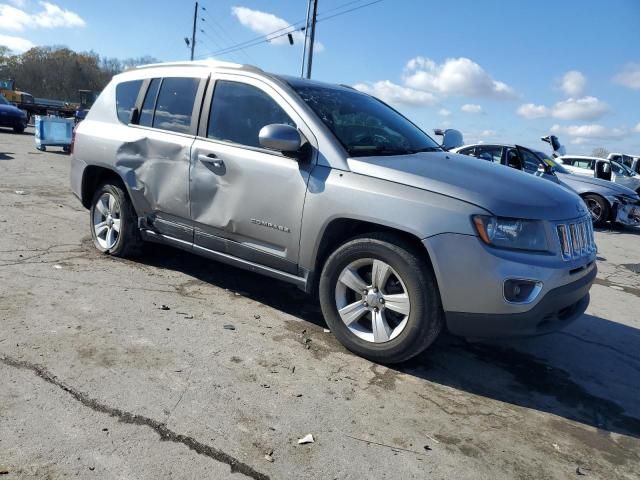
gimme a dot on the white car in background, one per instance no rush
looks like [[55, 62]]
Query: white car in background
[[602, 168], [630, 161]]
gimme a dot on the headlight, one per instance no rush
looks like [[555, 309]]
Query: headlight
[[513, 233]]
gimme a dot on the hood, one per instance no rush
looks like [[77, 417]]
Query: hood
[[606, 187], [503, 191], [10, 109], [631, 182]]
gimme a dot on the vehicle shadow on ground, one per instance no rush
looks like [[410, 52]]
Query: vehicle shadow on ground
[[6, 155], [546, 373]]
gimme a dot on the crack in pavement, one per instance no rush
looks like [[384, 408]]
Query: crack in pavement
[[160, 428]]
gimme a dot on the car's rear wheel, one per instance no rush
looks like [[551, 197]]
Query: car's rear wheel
[[113, 222], [598, 208], [380, 298]]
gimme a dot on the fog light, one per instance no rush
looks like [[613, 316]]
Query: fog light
[[521, 291]]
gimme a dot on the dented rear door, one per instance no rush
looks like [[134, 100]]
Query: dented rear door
[[161, 154]]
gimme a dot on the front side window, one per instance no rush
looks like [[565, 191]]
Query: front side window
[[174, 106], [468, 151], [126, 96], [363, 124], [489, 153], [239, 111], [530, 161]]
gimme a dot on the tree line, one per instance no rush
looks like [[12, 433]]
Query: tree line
[[59, 72]]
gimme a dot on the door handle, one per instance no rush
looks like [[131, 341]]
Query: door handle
[[211, 160]]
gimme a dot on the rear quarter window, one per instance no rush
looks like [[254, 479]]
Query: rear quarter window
[[126, 96]]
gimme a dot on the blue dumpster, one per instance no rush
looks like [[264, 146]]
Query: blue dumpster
[[53, 132]]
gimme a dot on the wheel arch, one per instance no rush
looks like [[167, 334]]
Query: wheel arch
[[93, 176], [342, 229]]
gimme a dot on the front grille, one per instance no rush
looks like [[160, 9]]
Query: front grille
[[576, 238]]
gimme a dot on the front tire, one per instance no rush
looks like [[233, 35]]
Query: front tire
[[113, 222], [598, 208], [380, 298]]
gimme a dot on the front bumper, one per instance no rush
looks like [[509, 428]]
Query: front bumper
[[626, 214], [10, 121], [554, 311], [471, 277]]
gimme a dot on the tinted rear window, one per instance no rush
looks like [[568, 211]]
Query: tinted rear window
[[174, 106], [126, 95], [146, 116]]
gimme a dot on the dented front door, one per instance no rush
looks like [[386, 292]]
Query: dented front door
[[245, 200]]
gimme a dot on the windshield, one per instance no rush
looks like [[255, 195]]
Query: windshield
[[622, 170], [3, 101], [557, 167], [364, 125]]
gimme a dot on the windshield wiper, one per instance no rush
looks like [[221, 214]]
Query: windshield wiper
[[377, 151], [428, 149]]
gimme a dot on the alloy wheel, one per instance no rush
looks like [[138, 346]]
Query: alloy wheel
[[372, 300], [106, 221]]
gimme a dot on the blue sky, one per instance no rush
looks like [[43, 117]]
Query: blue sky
[[497, 70]]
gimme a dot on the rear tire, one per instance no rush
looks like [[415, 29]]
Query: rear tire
[[114, 223], [380, 298], [598, 208]]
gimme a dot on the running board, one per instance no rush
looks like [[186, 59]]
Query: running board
[[300, 282]]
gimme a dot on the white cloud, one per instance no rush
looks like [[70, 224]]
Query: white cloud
[[265, 23], [443, 112], [19, 3], [12, 18], [15, 44], [396, 94], [471, 108], [456, 76], [573, 83], [589, 131], [50, 16], [637, 128], [53, 16], [488, 133], [530, 111], [629, 76], [586, 108]]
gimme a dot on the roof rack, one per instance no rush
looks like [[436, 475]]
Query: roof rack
[[202, 63]]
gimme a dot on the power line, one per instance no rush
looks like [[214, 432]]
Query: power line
[[272, 35]]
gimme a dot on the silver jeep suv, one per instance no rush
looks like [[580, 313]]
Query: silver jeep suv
[[334, 191]]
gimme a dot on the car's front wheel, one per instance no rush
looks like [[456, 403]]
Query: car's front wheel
[[598, 208], [380, 299], [113, 222]]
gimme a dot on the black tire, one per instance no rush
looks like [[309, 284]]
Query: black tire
[[425, 319], [18, 129], [597, 204], [129, 242]]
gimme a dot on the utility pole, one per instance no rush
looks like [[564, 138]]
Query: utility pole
[[312, 36], [306, 38], [193, 33]]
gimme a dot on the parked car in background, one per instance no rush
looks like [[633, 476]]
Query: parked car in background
[[11, 116], [632, 162], [601, 168], [334, 191], [606, 201]]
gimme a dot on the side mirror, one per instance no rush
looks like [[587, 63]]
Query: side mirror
[[452, 139], [281, 138]]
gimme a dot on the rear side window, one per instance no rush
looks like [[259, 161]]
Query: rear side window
[[146, 116], [126, 96], [174, 105], [239, 111]]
